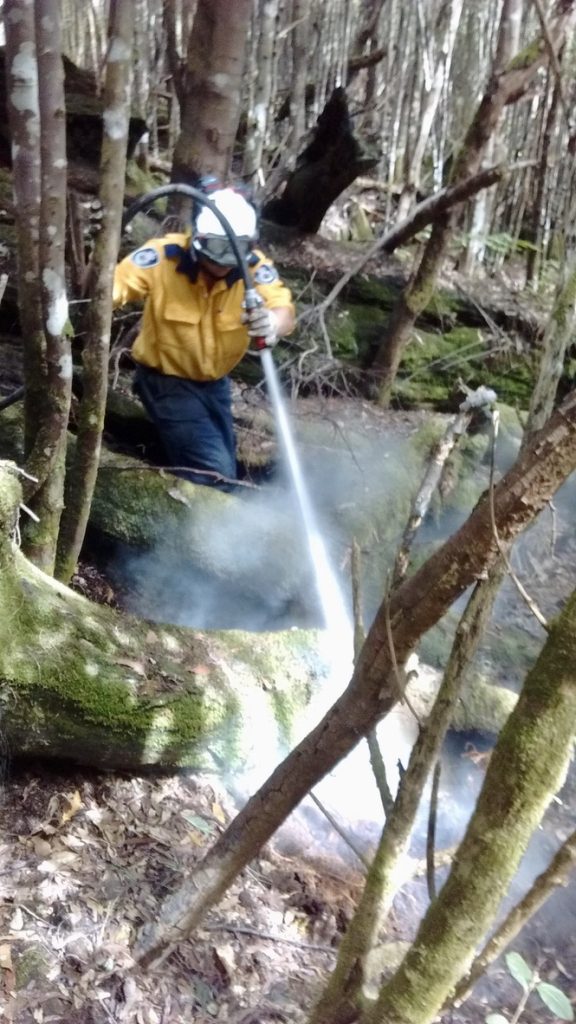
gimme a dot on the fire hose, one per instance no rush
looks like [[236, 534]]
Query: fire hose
[[251, 299]]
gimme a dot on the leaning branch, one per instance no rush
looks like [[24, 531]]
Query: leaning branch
[[425, 213]]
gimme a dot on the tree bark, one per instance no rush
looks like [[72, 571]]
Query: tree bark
[[416, 606], [526, 769], [331, 162], [213, 88], [95, 355]]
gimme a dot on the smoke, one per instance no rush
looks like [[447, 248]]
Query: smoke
[[256, 575]]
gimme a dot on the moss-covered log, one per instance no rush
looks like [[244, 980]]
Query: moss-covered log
[[86, 683], [141, 507]]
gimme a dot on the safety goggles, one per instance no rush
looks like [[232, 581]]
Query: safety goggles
[[219, 250]]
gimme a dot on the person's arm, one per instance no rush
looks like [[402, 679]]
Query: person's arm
[[133, 275]]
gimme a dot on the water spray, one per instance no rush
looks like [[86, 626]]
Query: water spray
[[336, 618]]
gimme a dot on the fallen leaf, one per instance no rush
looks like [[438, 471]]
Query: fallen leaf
[[197, 822], [226, 959], [17, 921], [5, 957], [218, 813], [41, 846], [178, 496], [74, 805]]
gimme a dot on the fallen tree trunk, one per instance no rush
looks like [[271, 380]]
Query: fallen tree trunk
[[89, 684], [142, 507]]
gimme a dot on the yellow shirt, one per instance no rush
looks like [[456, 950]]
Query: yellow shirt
[[188, 329]]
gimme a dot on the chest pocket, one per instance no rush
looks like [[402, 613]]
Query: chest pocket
[[181, 313]]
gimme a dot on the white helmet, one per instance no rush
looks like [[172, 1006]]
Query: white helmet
[[209, 237]]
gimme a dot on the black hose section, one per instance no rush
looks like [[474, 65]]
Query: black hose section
[[5, 403], [192, 193]]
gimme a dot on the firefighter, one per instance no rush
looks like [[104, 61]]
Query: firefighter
[[195, 330]]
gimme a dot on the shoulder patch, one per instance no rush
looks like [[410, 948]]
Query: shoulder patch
[[265, 274], [145, 257]]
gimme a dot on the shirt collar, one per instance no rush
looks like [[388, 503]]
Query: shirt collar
[[188, 264]]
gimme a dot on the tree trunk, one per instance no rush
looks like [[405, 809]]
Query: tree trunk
[[80, 486], [258, 115], [331, 162], [343, 998], [37, 120], [509, 81], [413, 609], [526, 769], [213, 89]]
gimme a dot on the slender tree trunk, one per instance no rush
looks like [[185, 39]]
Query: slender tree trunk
[[537, 212], [527, 767], [508, 83], [24, 120], [343, 998], [300, 43], [49, 500], [557, 873], [117, 91], [37, 121], [417, 605], [258, 116], [437, 65], [211, 104]]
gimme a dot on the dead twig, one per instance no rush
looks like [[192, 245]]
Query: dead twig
[[217, 477], [431, 832], [269, 936], [341, 832], [529, 601], [423, 215]]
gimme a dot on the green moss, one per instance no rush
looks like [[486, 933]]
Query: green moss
[[139, 181], [30, 965], [341, 330], [433, 365]]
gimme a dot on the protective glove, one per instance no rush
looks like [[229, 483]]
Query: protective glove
[[261, 324]]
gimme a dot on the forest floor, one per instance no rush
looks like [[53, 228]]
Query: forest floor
[[86, 858]]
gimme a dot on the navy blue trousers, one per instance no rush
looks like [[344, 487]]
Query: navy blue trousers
[[194, 420]]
